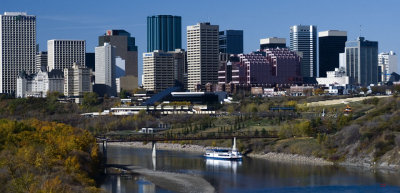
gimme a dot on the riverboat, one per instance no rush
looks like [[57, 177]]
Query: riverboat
[[224, 153]]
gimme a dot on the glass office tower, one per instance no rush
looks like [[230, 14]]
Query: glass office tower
[[231, 41], [164, 32], [362, 61], [303, 40], [331, 44]]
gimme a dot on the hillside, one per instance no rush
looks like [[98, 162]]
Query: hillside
[[40, 156]]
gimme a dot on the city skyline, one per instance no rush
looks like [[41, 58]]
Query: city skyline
[[87, 23]]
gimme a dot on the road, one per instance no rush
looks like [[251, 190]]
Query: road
[[341, 101]]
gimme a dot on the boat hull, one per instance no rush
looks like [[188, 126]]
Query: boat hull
[[224, 158]]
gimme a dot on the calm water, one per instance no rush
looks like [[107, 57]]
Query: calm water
[[249, 175]]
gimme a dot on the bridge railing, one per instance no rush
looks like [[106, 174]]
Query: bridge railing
[[178, 136]]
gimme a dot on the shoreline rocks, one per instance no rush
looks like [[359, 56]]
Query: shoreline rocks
[[291, 158]]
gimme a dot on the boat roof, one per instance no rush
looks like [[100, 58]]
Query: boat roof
[[218, 150]]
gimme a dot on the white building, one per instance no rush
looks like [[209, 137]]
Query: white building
[[303, 38], [39, 84], [105, 67], [77, 81], [388, 63], [162, 69], [342, 61], [202, 54], [17, 48], [273, 42], [63, 53], [337, 78]]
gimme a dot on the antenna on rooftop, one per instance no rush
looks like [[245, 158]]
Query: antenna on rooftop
[[360, 31]]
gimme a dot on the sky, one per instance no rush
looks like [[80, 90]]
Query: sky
[[377, 20]]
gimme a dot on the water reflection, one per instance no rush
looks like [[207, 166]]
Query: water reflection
[[154, 161], [245, 176], [120, 184], [228, 166], [216, 164]]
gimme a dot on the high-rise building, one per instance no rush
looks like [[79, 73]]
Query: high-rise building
[[17, 48], [303, 38], [41, 61], [126, 49], [40, 83], [77, 80], [388, 63], [90, 61], [162, 70], [231, 41], [61, 54], [164, 32], [105, 68], [119, 67], [362, 61], [331, 44], [273, 42], [202, 54]]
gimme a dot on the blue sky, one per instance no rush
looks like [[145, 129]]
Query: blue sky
[[87, 19]]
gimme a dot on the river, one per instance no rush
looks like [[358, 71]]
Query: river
[[248, 175]]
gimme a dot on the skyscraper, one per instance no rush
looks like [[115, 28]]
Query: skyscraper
[[126, 49], [61, 54], [105, 67], [77, 81], [202, 54], [331, 44], [388, 63], [41, 61], [303, 38], [162, 70], [164, 32], [362, 61], [231, 41], [90, 61], [17, 48], [272, 43]]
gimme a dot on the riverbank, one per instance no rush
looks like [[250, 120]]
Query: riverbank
[[291, 158]]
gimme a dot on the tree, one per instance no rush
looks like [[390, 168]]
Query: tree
[[230, 109], [90, 99], [318, 91], [263, 132], [364, 90], [396, 88], [124, 94]]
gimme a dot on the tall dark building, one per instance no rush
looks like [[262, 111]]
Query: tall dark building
[[164, 32], [127, 51], [231, 41], [89, 62], [362, 61], [331, 44]]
